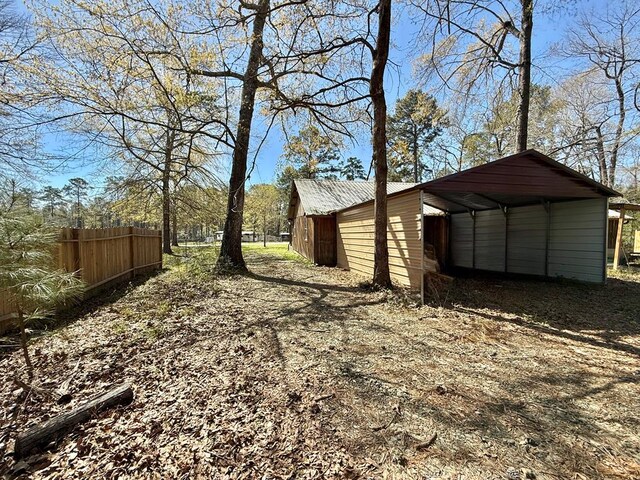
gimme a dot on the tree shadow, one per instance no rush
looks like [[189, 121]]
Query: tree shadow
[[599, 315], [76, 310]]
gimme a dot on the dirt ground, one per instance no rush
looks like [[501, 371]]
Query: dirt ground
[[294, 371]]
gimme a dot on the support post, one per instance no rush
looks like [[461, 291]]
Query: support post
[[473, 238], [616, 252], [132, 258], [422, 246], [547, 241], [505, 211]]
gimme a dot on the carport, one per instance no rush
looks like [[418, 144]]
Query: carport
[[525, 214]]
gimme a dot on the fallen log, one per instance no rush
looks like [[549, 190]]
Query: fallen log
[[54, 429]]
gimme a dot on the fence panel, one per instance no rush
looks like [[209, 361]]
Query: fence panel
[[100, 256]]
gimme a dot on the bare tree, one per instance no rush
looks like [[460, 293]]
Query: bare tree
[[608, 45], [231, 246], [20, 153], [115, 78], [295, 58], [471, 42], [381, 276]]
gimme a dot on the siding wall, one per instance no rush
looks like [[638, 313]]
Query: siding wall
[[577, 243], [355, 239], [490, 240], [527, 240], [577, 239], [461, 239], [302, 234]]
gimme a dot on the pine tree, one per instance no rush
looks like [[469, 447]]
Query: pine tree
[[28, 274]]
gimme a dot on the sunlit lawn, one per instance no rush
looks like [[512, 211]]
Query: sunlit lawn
[[207, 254]]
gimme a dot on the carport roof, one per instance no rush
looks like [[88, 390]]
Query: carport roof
[[522, 179]]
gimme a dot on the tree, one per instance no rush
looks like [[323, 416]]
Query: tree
[[118, 78], [231, 246], [77, 189], [53, 199], [305, 65], [27, 269], [608, 44], [352, 169], [496, 132], [263, 208], [20, 155], [416, 123], [472, 40], [381, 275], [285, 176], [312, 153]]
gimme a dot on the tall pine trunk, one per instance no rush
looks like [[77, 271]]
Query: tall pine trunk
[[524, 75], [174, 225], [231, 246], [381, 276], [416, 157], [166, 193]]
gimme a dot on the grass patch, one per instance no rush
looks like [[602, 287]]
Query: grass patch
[[281, 250], [625, 273], [201, 261]]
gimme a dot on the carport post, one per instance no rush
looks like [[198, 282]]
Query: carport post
[[547, 208], [422, 249], [616, 252], [505, 211], [473, 238]]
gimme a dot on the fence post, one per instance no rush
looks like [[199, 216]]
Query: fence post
[[132, 255], [77, 250]]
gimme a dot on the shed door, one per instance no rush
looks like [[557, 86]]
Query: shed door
[[325, 241]]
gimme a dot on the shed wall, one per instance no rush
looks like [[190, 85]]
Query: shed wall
[[461, 240], [490, 240], [355, 239], [527, 240], [577, 240], [302, 234]]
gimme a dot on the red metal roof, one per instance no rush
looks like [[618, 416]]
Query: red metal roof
[[521, 179]]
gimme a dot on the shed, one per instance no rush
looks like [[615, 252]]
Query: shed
[[617, 219], [312, 208], [524, 214]]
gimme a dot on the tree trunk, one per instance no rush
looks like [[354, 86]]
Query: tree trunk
[[54, 429], [174, 225], [619, 129], [231, 247], [602, 157], [166, 195], [416, 160], [524, 75], [264, 231], [381, 276]]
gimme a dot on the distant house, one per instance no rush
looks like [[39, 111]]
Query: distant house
[[524, 214], [247, 236]]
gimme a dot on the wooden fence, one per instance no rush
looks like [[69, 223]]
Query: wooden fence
[[102, 256]]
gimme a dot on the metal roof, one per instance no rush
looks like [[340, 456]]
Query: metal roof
[[525, 178], [322, 197], [618, 204]]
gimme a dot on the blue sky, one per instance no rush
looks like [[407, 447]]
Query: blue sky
[[548, 29]]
